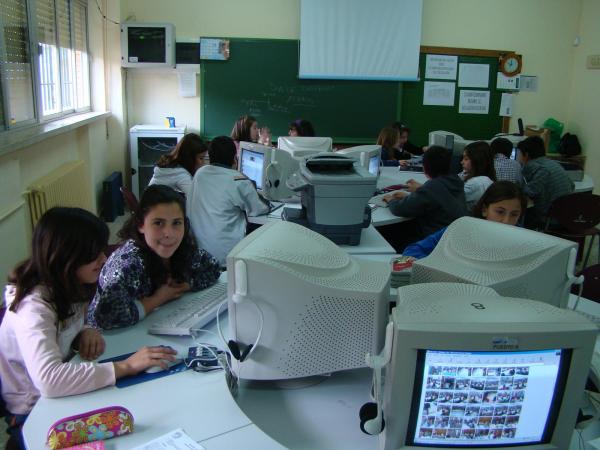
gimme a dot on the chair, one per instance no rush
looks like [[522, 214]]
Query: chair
[[577, 214], [591, 283], [130, 199]]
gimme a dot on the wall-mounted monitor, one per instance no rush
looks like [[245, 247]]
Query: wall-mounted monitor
[[145, 45]]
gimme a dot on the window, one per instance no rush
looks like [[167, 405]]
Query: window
[[15, 69], [49, 79]]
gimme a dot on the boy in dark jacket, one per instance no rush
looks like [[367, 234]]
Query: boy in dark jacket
[[438, 202]]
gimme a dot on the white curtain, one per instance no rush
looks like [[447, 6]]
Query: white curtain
[[360, 39]]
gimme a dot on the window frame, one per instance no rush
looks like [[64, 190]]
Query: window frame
[[35, 67]]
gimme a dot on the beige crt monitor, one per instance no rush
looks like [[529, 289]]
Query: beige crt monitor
[[301, 146], [368, 156], [472, 369], [323, 310], [513, 261]]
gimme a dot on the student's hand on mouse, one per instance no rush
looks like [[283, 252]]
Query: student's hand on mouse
[[144, 358], [90, 344], [403, 163], [413, 185]]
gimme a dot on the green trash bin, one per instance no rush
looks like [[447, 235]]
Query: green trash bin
[[556, 131]]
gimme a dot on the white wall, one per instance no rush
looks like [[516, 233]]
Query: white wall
[[153, 94], [541, 30], [584, 102], [101, 144]]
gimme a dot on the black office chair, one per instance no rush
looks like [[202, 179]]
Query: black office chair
[[578, 215], [591, 283]]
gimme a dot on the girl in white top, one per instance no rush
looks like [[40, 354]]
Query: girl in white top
[[44, 324], [177, 168], [478, 171]]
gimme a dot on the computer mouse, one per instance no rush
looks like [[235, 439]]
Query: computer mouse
[[155, 369]]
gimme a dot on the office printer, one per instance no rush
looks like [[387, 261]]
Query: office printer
[[334, 191]]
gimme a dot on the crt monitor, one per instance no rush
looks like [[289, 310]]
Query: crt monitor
[[269, 169], [514, 261], [458, 148], [147, 44], [253, 162], [323, 310], [443, 138], [300, 146], [472, 369], [368, 156], [454, 143]]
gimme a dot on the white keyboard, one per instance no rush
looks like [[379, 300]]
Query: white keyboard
[[192, 311], [378, 199]]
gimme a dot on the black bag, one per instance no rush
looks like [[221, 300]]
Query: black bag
[[569, 145]]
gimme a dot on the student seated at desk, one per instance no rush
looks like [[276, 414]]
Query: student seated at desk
[[478, 171], [438, 202], [389, 139], [221, 198], [246, 129], [47, 297], [545, 180], [506, 168], [301, 127], [502, 202], [177, 168], [405, 145], [158, 262]]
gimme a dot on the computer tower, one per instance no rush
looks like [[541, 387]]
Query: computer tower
[[112, 200]]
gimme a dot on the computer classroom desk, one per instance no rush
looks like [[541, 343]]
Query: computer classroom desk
[[318, 413], [319, 416], [371, 241]]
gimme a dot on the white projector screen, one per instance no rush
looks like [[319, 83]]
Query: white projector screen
[[358, 39]]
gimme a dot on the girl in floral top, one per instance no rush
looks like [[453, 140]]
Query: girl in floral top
[[47, 297], [158, 262]]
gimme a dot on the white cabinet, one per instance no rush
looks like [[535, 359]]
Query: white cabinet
[[147, 144]]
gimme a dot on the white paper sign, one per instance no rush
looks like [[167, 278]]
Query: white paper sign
[[187, 84], [474, 102], [506, 105], [441, 67], [474, 75], [438, 93]]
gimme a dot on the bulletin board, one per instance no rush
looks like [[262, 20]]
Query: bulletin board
[[425, 118]]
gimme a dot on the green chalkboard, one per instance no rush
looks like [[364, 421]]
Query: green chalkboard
[[261, 79], [425, 118]]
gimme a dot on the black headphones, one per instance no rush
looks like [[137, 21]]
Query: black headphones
[[371, 414], [234, 348], [368, 413]]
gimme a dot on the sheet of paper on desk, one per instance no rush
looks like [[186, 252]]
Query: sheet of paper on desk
[[174, 440]]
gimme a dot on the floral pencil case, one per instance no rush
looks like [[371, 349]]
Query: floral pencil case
[[102, 423]]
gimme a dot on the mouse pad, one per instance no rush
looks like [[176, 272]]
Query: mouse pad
[[143, 376]]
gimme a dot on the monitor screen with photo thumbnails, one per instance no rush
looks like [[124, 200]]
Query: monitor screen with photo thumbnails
[[467, 397], [470, 368]]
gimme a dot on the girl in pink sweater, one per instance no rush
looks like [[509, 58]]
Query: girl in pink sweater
[[46, 298]]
